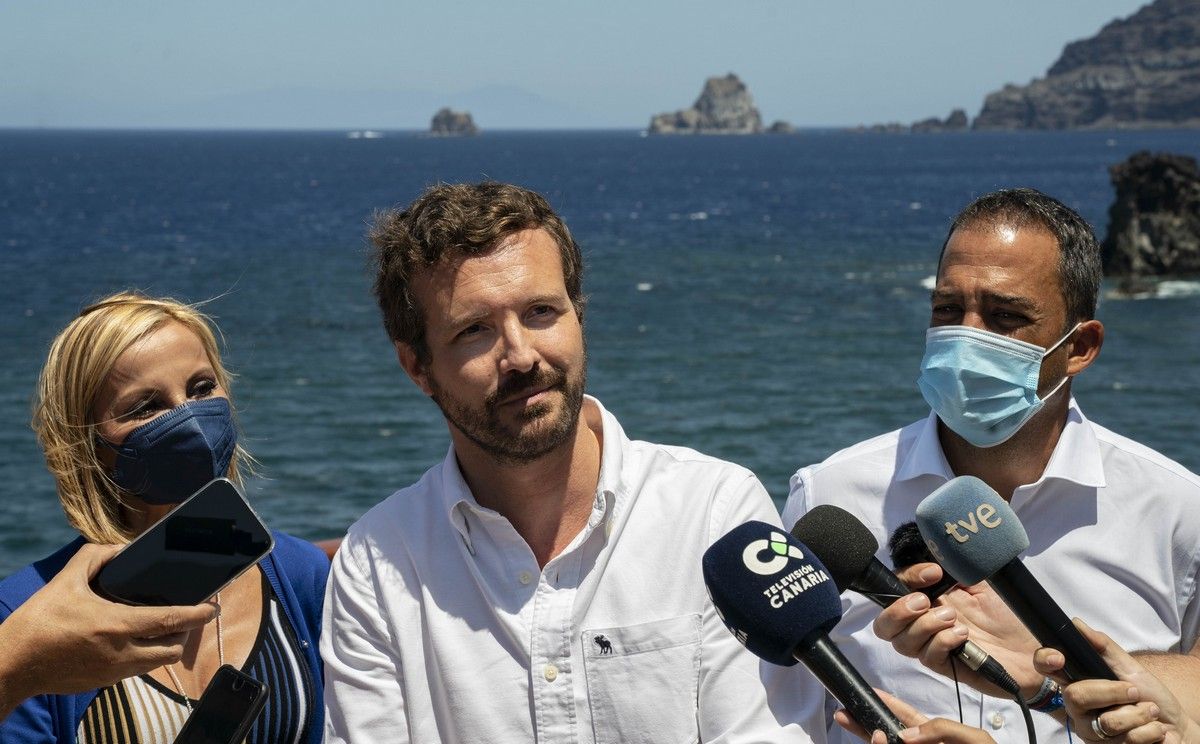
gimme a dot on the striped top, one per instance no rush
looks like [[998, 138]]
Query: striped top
[[141, 710]]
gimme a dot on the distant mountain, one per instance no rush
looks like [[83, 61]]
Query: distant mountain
[[1140, 71], [494, 107]]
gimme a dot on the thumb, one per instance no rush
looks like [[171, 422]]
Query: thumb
[[920, 575], [1117, 658]]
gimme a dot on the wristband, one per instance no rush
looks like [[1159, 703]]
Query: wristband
[[1048, 698]]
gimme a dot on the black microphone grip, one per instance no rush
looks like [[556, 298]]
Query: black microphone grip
[[1048, 623], [843, 681]]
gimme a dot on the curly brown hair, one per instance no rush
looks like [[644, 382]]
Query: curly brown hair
[[450, 222]]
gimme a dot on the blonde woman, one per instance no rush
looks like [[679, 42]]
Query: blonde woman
[[133, 414]]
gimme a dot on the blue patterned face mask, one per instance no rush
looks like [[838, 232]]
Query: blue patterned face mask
[[981, 384], [171, 457]]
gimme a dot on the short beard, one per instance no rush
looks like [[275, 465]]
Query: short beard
[[484, 427]]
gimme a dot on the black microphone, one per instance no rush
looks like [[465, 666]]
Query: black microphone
[[847, 548], [907, 547], [976, 535], [778, 600]]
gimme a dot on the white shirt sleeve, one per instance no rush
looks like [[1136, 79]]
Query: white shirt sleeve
[[741, 697], [796, 505], [364, 687]]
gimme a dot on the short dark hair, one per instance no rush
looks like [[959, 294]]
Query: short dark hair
[[450, 222], [1079, 269]]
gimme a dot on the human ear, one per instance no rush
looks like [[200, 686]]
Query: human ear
[[1084, 346], [413, 366]]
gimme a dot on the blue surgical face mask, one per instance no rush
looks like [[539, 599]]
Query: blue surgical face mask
[[983, 385], [171, 457]]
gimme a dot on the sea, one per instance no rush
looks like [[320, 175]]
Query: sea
[[761, 299]]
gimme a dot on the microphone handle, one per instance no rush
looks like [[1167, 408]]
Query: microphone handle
[[1048, 623], [843, 681]]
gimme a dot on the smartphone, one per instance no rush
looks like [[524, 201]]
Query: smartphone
[[226, 710], [190, 554]]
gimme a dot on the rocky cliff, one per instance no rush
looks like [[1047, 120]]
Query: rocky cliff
[[448, 123], [1154, 224], [724, 107], [955, 122], [1140, 71]]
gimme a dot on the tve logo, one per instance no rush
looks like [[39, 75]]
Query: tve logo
[[983, 516]]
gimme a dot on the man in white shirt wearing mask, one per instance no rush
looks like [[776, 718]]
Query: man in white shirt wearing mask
[[1114, 527]]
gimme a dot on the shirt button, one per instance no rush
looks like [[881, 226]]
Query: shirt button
[[997, 720], [551, 672], [525, 577]]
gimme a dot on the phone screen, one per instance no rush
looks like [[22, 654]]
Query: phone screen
[[190, 554], [227, 709]]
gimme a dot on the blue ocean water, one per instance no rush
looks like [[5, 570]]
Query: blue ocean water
[[761, 299]]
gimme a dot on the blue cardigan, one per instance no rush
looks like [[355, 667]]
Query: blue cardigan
[[296, 570]]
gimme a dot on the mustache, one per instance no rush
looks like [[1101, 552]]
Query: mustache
[[520, 382]]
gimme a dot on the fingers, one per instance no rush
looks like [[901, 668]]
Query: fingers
[[942, 730], [911, 624], [1111, 728], [844, 720], [155, 652], [1050, 662], [1147, 734], [155, 622], [1128, 717], [920, 575], [1117, 658], [1098, 694], [907, 714]]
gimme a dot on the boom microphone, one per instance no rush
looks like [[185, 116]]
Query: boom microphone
[[847, 548], [976, 535], [778, 600]]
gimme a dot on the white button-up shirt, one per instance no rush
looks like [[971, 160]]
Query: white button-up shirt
[[440, 626], [1114, 537]]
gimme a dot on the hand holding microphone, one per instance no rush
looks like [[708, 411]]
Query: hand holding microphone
[[976, 536], [847, 548], [921, 728], [1137, 709], [992, 536]]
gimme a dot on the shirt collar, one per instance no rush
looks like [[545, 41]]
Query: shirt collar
[[921, 452], [457, 496], [1076, 457]]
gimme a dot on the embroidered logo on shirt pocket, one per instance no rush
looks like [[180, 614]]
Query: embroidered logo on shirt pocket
[[643, 680]]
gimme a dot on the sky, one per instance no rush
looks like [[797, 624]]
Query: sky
[[545, 64]]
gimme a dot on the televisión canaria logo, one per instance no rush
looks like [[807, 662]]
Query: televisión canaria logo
[[791, 585]]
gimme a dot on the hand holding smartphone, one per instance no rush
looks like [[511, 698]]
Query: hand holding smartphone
[[190, 554]]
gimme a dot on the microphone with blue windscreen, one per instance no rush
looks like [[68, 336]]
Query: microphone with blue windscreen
[[780, 602], [847, 548], [976, 535]]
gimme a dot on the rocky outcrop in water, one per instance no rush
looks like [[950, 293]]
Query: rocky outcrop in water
[[448, 123], [955, 122], [1154, 224], [1140, 71], [724, 107], [781, 127]]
